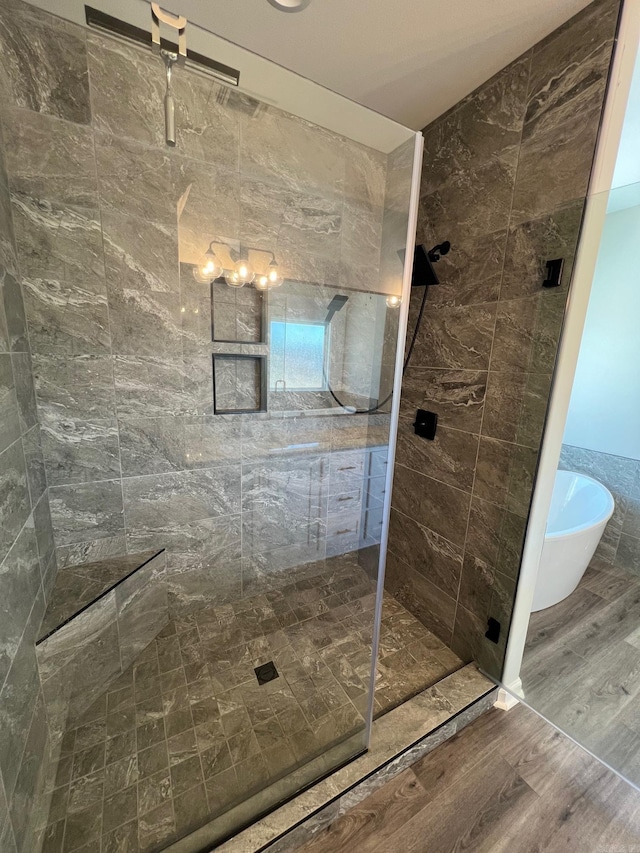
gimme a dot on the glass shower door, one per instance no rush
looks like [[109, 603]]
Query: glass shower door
[[581, 662], [213, 330]]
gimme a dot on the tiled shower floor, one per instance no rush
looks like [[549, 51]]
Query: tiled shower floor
[[187, 731]]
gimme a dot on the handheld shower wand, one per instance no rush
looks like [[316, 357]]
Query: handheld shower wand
[[169, 103], [423, 274]]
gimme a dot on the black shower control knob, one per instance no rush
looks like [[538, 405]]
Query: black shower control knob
[[426, 424], [554, 273]]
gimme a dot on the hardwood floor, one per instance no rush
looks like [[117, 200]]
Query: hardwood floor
[[581, 666], [508, 783]]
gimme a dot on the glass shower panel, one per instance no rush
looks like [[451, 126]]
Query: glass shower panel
[[213, 330], [581, 660]]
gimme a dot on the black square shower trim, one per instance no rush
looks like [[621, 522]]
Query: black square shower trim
[[267, 672]]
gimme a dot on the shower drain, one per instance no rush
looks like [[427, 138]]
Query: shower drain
[[266, 672]]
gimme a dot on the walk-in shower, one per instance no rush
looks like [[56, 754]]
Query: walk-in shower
[[195, 272], [204, 300]]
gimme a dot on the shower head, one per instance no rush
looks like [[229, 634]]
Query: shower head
[[336, 304], [439, 251], [423, 272]]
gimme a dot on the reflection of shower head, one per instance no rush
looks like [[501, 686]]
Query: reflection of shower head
[[335, 305]]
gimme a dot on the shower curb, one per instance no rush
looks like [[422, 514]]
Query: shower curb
[[399, 739]]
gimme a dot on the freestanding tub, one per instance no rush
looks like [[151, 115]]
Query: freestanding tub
[[580, 510]]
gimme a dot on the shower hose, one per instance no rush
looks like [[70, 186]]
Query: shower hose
[[380, 403]]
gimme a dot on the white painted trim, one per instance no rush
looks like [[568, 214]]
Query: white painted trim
[[508, 698], [403, 320], [596, 208]]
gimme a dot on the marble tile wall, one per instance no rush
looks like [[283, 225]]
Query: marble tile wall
[[83, 657], [108, 221], [504, 179], [27, 556], [620, 543], [108, 442]]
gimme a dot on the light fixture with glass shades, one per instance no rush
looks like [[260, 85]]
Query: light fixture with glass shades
[[209, 268], [246, 269], [269, 279], [233, 279]]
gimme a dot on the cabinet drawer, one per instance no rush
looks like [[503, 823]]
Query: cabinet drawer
[[346, 472], [345, 502], [373, 523], [378, 463], [376, 490], [343, 533]]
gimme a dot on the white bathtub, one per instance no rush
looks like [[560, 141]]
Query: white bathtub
[[580, 510]]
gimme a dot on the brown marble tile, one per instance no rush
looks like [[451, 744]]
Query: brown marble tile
[[156, 827], [154, 791], [516, 325], [468, 635], [531, 244], [481, 125], [476, 586], [566, 152], [422, 497], [516, 407], [456, 396], [476, 202], [501, 606], [449, 458], [504, 474], [568, 79], [82, 828], [119, 808], [568, 66], [153, 760], [49, 75], [434, 608], [191, 809], [123, 838], [439, 560], [471, 273], [495, 535], [457, 337]]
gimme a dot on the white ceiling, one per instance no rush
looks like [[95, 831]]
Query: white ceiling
[[409, 59]]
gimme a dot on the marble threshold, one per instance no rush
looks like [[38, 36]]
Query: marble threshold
[[398, 739]]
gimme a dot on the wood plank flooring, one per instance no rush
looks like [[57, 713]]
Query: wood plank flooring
[[581, 667], [508, 783]]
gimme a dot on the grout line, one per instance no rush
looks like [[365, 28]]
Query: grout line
[[354, 614], [493, 337]]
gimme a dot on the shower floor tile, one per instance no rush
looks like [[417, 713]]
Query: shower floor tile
[[188, 731]]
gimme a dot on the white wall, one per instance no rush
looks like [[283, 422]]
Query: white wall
[[604, 413], [628, 163]]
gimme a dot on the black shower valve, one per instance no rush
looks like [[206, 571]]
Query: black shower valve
[[426, 424], [554, 273]]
